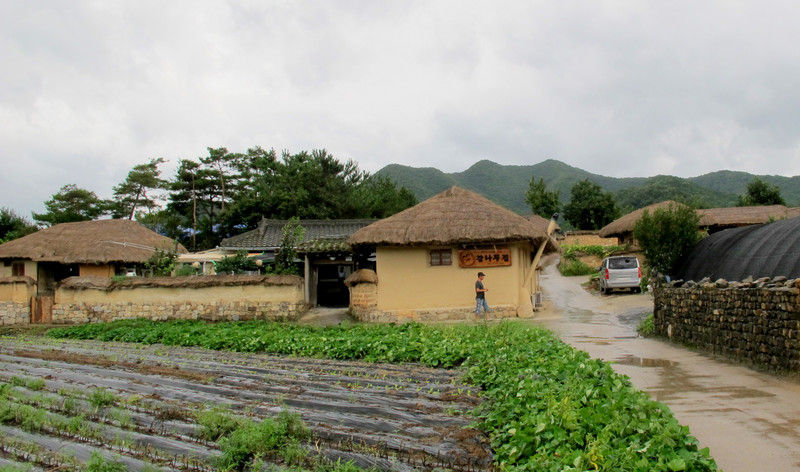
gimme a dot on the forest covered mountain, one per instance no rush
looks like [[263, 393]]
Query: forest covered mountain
[[507, 184]]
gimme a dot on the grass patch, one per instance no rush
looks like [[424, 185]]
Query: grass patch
[[98, 463], [573, 251], [548, 407], [647, 327], [572, 267]]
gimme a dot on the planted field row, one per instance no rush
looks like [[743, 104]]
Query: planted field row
[[546, 406], [175, 408]]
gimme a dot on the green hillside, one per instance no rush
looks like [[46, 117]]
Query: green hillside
[[507, 184], [736, 183], [667, 187]]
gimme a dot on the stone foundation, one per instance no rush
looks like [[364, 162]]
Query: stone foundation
[[12, 313], [754, 321], [219, 311], [433, 315]]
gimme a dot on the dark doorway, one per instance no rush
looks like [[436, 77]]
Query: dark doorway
[[331, 290]]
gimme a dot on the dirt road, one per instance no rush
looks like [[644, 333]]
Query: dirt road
[[749, 420]]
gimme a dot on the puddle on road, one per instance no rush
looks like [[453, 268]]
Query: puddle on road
[[645, 361]]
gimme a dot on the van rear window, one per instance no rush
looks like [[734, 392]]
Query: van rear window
[[623, 263]]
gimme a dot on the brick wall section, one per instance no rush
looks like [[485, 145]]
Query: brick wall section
[[14, 313], [754, 321]]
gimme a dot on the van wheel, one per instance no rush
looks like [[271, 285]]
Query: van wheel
[[602, 290]]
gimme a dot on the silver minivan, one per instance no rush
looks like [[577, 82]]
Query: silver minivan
[[620, 272]]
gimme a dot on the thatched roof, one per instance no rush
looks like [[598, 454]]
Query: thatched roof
[[625, 224], [200, 281], [709, 217], [361, 276], [741, 216], [542, 223], [89, 242], [451, 217]]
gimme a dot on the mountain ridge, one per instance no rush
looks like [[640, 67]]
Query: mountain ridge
[[507, 184]]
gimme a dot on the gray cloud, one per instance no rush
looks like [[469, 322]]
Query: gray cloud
[[621, 88]]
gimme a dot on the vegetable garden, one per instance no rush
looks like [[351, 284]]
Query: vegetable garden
[[391, 397]]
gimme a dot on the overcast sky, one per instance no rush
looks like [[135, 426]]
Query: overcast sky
[[88, 89]]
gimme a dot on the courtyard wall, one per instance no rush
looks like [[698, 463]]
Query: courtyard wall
[[753, 321]]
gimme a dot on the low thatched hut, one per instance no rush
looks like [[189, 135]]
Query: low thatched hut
[[99, 248], [427, 258], [711, 219]]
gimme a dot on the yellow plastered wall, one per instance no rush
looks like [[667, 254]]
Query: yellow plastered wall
[[250, 293], [16, 292], [31, 270], [407, 281], [96, 270]]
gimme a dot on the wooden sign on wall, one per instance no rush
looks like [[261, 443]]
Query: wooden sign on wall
[[469, 258]]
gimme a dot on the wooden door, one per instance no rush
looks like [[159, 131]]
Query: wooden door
[[42, 309]]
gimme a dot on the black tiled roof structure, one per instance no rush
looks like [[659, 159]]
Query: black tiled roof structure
[[268, 234]]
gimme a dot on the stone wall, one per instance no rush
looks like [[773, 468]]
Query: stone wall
[[15, 299], [754, 321], [216, 298]]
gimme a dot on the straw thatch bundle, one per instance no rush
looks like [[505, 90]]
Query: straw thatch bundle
[[709, 217], [741, 216], [24, 279], [451, 217], [361, 276], [107, 284], [90, 242]]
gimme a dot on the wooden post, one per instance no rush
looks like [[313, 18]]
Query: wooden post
[[528, 280]]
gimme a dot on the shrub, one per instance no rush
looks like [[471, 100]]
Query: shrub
[[161, 263], [572, 267], [667, 236], [647, 326], [236, 264]]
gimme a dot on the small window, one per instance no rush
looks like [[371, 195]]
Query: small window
[[18, 269], [440, 257]]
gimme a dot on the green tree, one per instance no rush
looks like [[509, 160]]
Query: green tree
[[161, 263], [71, 203], [13, 226], [291, 237], [136, 191], [590, 207], [378, 197], [761, 193], [667, 236], [542, 201]]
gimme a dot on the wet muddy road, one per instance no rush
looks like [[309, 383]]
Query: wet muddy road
[[749, 420]]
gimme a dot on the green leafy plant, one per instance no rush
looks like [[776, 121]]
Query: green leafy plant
[[236, 264], [573, 267], [98, 463], [647, 326], [161, 263], [667, 236], [291, 237], [547, 406]]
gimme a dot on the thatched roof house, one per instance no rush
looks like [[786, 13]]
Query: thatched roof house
[[455, 216], [427, 258], [89, 242], [624, 224], [712, 219], [99, 248]]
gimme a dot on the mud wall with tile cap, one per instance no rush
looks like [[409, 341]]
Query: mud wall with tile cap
[[208, 297], [753, 321]]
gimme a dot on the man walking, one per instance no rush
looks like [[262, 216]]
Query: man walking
[[480, 296]]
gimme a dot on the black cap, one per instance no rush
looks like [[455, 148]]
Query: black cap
[[481, 274]]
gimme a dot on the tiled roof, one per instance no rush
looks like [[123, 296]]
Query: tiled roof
[[268, 233], [324, 245]]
